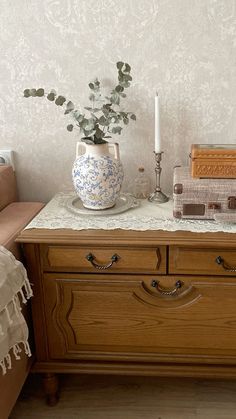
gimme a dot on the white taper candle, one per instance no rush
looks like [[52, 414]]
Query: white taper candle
[[157, 125]]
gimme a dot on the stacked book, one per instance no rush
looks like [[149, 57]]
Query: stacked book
[[207, 189]]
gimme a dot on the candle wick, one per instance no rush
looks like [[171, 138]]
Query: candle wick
[[156, 93]]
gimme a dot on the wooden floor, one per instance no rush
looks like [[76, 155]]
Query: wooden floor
[[109, 397]]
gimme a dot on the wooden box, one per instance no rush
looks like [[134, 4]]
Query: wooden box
[[202, 198], [213, 161]]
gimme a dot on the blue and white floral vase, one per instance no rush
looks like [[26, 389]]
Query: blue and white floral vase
[[97, 174]]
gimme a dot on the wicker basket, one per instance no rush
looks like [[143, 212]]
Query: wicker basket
[[213, 161]]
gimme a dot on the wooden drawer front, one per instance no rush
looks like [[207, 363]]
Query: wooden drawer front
[[92, 317], [128, 260], [193, 260]]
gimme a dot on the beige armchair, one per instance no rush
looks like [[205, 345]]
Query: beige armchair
[[14, 216]]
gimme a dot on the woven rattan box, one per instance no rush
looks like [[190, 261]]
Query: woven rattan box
[[213, 161]]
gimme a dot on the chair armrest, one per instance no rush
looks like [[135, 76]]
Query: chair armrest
[[8, 191], [13, 219]]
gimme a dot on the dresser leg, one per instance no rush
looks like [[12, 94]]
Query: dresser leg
[[51, 385]]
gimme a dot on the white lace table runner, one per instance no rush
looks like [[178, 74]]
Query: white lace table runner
[[148, 216]]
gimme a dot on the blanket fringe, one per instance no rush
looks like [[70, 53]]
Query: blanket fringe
[[10, 321], [4, 369], [16, 304], [27, 348], [28, 289], [13, 309], [16, 350], [6, 362], [22, 296], [26, 293]]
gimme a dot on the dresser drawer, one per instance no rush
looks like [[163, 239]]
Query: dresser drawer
[[104, 259], [126, 316], [205, 260]]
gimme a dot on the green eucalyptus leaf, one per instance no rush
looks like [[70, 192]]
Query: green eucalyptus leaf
[[27, 93], [92, 97], [88, 132], [90, 124], [125, 78], [127, 68], [106, 109], [99, 141], [33, 92], [119, 65], [125, 84], [99, 133], [70, 127], [40, 92], [116, 130], [103, 121], [115, 99], [105, 112], [83, 123], [97, 84], [51, 96], [114, 119], [87, 140], [128, 77], [60, 100], [69, 107], [78, 116], [120, 74], [119, 88], [95, 118]]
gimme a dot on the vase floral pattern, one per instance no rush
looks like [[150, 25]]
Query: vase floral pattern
[[98, 176]]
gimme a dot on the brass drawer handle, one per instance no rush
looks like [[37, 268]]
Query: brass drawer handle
[[165, 291], [91, 258], [220, 261]]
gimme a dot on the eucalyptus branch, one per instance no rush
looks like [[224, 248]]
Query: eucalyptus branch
[[95, 128]]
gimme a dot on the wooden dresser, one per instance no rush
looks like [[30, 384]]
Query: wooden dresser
[[128, 302]]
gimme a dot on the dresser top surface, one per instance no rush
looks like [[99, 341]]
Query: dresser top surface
[[149, 223]]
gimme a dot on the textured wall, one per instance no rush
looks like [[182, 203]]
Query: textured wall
[[184, 49]]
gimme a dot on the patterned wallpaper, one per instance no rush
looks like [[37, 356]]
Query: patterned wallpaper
[[184, 49]]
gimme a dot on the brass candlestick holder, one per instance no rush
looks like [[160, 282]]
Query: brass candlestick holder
[[158, 196]]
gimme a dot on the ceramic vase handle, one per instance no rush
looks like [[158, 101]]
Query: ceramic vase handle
[[115, 149], [80, 149]]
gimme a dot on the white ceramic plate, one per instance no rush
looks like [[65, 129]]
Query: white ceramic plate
[[123, 203]]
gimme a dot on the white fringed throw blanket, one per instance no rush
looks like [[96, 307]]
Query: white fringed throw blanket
[[15, 289]]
